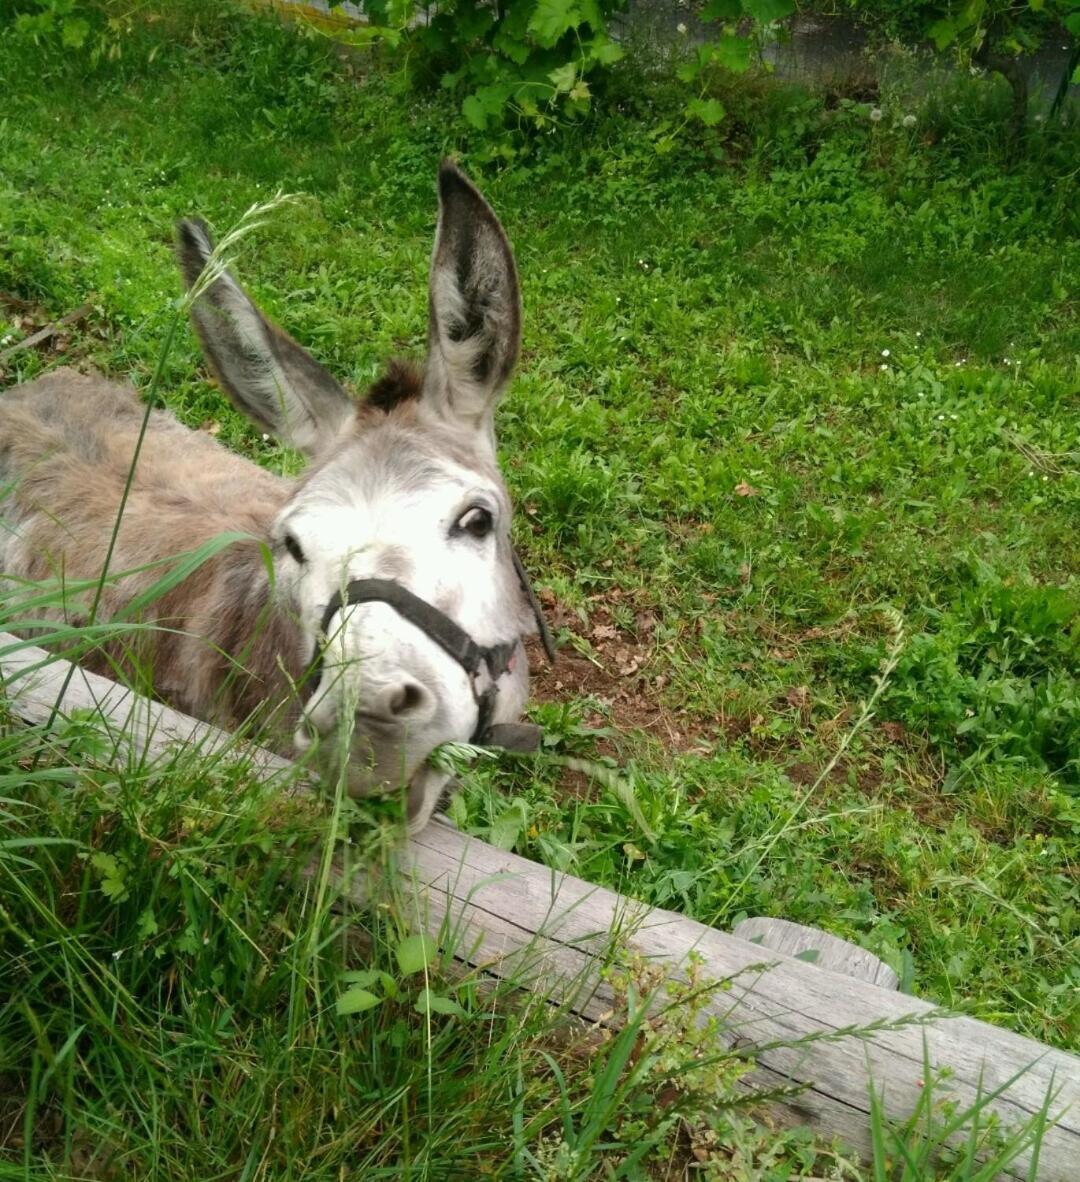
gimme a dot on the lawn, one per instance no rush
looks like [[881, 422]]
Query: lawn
[[799, 402]]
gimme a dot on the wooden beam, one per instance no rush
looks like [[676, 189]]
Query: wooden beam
[[33, 680], [515, 918], [829, 952]]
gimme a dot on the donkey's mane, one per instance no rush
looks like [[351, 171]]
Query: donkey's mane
[[402, 382]]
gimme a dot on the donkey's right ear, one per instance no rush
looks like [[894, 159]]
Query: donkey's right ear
[[266, 374], [474, 320]]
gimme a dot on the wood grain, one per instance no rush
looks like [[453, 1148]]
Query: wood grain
[[830, 952]]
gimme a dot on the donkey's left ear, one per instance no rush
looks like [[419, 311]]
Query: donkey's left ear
[[474, 322], [268, 376]]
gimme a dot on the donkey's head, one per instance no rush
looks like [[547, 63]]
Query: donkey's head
[[393, 555]]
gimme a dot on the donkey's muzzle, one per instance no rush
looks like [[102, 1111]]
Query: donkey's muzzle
[[484, 664]]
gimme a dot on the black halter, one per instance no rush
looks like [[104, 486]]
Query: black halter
[[450, 637]]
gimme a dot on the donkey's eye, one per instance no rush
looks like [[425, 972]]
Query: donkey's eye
[[475, 521], [293, 547]]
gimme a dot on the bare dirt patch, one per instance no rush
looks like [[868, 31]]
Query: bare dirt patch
[[33, 329], [621, 669]]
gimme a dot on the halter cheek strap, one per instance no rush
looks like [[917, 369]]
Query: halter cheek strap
[[450, 637]]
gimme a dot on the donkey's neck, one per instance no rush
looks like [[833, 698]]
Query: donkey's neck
[[240, 659]]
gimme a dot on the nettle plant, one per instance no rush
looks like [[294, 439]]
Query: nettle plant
[[95, 27]]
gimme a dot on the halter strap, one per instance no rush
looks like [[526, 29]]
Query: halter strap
[[534, 603], [450, 637]]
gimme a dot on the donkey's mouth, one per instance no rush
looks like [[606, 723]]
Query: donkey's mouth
[[425, 790], [376, 769]]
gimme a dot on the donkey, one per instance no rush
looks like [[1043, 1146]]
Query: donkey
[[397, 607]]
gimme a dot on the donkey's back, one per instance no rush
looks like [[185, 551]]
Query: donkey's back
[[67, 443], [67, 446]]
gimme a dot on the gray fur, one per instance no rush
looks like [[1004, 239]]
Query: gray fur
[[264, 371]]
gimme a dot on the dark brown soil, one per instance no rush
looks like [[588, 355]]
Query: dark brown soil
[[622, 670]]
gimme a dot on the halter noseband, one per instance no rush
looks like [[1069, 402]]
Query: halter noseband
[[450, 637]]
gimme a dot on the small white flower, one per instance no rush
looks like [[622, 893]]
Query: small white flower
[[1046, 478], [918, 334], [909, 121], [884, 366], [875, 115], [884, 352], [941, 418], [1005, 361], [266, 437], [118, 953], [680, 28]]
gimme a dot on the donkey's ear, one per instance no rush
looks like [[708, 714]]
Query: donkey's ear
[[474, 325], [264, 371]]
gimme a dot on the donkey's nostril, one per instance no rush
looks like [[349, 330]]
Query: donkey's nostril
[[406, 699]]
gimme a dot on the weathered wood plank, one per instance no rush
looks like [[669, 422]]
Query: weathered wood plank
[[514, 917], [561, 925], [33, 679], [796, 939]]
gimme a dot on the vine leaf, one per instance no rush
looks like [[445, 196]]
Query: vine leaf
[[768, 10], [605, 51], [709, 111], [552, 18], [733, 53], [721, 10], [564, 77]]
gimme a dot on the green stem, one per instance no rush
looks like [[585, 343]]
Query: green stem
[[143, 426]]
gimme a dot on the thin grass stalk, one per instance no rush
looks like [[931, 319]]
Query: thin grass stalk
[[214, 268], [865, 715]]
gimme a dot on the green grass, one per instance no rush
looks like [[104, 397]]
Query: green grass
[[719, 469]]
